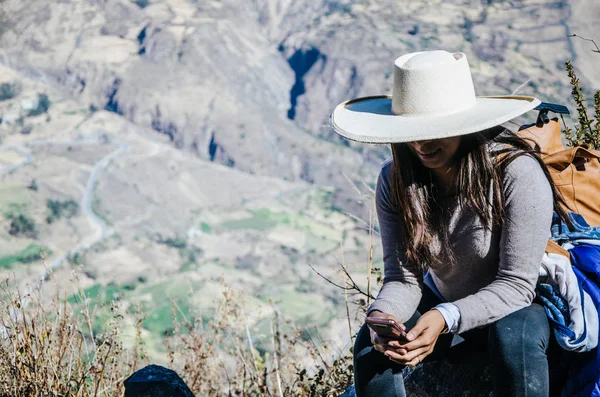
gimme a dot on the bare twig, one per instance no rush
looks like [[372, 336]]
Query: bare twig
[[520, 87], [328, 280], [352, 184], [347, 309], [586, 39], [369, 188], [276, 349], [346, 291], [352, 287], [370, 261], [365, 224], [316, 349]]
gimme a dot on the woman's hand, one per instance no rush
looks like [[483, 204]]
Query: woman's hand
[[420, 340], [381, 343]]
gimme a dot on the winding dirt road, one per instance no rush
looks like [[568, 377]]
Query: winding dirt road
[[103, 230]]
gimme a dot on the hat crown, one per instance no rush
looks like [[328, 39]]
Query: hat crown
[[429, 59], [432, 83]]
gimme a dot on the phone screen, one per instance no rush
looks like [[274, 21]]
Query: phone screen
[[388, 328]]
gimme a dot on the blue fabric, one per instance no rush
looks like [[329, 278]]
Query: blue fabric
[[558, 313], [580, 230], [556, 306], [584, 373]]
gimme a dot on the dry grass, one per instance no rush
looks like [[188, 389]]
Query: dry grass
[[223, 359], [52, 350]]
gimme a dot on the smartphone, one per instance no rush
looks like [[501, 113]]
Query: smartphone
[[387, 327]]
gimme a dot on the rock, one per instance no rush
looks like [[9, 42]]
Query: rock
[[466, 374], [156, 381]]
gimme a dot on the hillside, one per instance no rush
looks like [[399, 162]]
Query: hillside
[[192, 136]]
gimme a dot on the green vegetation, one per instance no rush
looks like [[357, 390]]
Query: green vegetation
[[59, 209], [98, 298], [159, 309], [175, 242], [262, 219], [14, 199], [188, 253], [160, 320], [265, 219], [586, 133], [15, 212], [22, 225], [142, 3], [303, 307], [102, 294], [9, 90], [75, 259], [205, 227], [42, 106], [33, 185], [323, 198], [319, 244], [468, 29], [32, 253], [83, 111]]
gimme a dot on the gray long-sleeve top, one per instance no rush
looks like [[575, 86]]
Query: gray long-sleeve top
[[495, 271]]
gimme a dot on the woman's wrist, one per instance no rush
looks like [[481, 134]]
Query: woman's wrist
[[443, 328], [451, 315]]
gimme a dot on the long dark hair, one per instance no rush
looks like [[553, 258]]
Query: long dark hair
[[417, 198]]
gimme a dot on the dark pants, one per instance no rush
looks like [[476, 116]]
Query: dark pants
[[517, 345]]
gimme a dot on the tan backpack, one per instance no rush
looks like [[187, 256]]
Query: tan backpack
[[575, 171]]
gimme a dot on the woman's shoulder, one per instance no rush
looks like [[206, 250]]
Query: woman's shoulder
[[520, 165], [383, 181], [386, 169], [525, 177], [523, 165]]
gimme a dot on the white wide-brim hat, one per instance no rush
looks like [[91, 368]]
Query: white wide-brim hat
[[432, 97]]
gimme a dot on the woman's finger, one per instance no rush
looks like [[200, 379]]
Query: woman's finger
[[378, 344], [412, 354], [416, 361], [419, 358], [376, 338], [409, 356], [394, 357], [381, 344], [428, 337], [426, 331], [380, 348]]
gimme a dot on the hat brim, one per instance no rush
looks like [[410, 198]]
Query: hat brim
[[371, 120]]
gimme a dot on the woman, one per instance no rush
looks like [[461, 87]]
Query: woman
[[464, 211]]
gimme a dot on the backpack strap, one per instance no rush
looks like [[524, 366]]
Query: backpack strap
[[562, 159], [554, 248]]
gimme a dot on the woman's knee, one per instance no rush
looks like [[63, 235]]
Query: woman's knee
[[526, 330], [374, 373], [363, 341]]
